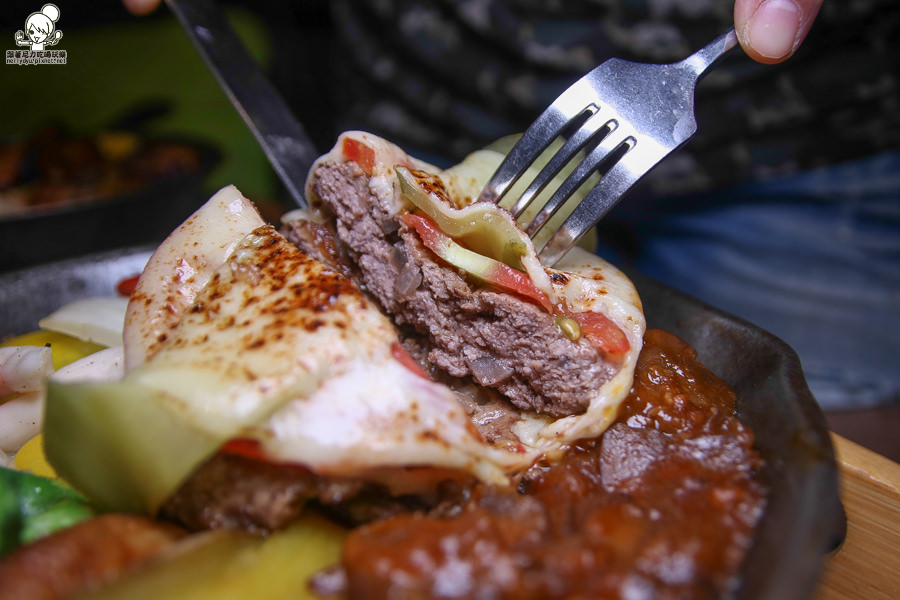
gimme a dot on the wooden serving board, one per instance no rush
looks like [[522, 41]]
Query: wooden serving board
[[867, 565]]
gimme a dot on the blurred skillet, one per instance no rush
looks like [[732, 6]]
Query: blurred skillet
[[144, 215], [159, 181], [803, 519]]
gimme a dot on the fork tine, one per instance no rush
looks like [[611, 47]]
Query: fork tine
[[596, 125], [588, 212], [618, 180], [534, 141], [614, 144], [547, 127], [643, 111]]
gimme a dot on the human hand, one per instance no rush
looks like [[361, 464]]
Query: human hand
[[141, 7], [770, 31]]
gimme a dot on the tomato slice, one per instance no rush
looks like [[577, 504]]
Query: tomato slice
[[245, 447], [601, 332], [359, 153], [485, 268], [403, 357], [599, 329], [253, 449], [126, 286]]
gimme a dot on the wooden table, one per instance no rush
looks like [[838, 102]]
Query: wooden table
[[867, 566]]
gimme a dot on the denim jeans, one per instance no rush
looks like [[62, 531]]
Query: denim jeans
[[813, 258]]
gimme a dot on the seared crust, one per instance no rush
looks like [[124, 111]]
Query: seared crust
[[234, 492]]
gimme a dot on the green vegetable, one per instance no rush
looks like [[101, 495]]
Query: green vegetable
[[481, 227], [32, 507], [120, 444], [469, 177]]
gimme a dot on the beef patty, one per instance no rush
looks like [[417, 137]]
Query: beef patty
[[500, 339]]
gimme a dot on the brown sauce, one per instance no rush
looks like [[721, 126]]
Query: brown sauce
[[663, 505]]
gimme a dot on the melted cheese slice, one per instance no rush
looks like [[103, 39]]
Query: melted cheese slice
[[581, 281], [279, 348], [272, 346], [181, 266]]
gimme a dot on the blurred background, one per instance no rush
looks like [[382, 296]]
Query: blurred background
[[133, 119], [784, 210]]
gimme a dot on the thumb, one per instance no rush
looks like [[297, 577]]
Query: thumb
[[770, 31]]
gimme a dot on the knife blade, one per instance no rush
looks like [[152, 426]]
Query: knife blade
[[279, 133]]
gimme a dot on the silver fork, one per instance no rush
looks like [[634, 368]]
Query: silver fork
[[629, 116]]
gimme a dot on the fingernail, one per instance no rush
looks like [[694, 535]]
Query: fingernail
[[773, 29]]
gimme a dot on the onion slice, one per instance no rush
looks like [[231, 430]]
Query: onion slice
[[98, 320], [24, 369]]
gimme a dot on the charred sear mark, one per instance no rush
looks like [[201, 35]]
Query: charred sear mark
[[297, 291], [226, 323], [431, 183], [559, 278], [255, 343], [217, 287]]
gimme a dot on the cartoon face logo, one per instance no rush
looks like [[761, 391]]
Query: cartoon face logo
[[40, 29]]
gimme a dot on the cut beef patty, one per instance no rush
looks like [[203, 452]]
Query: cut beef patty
[[499, 339]]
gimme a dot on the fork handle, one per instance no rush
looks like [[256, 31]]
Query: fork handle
[[700, 61]]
